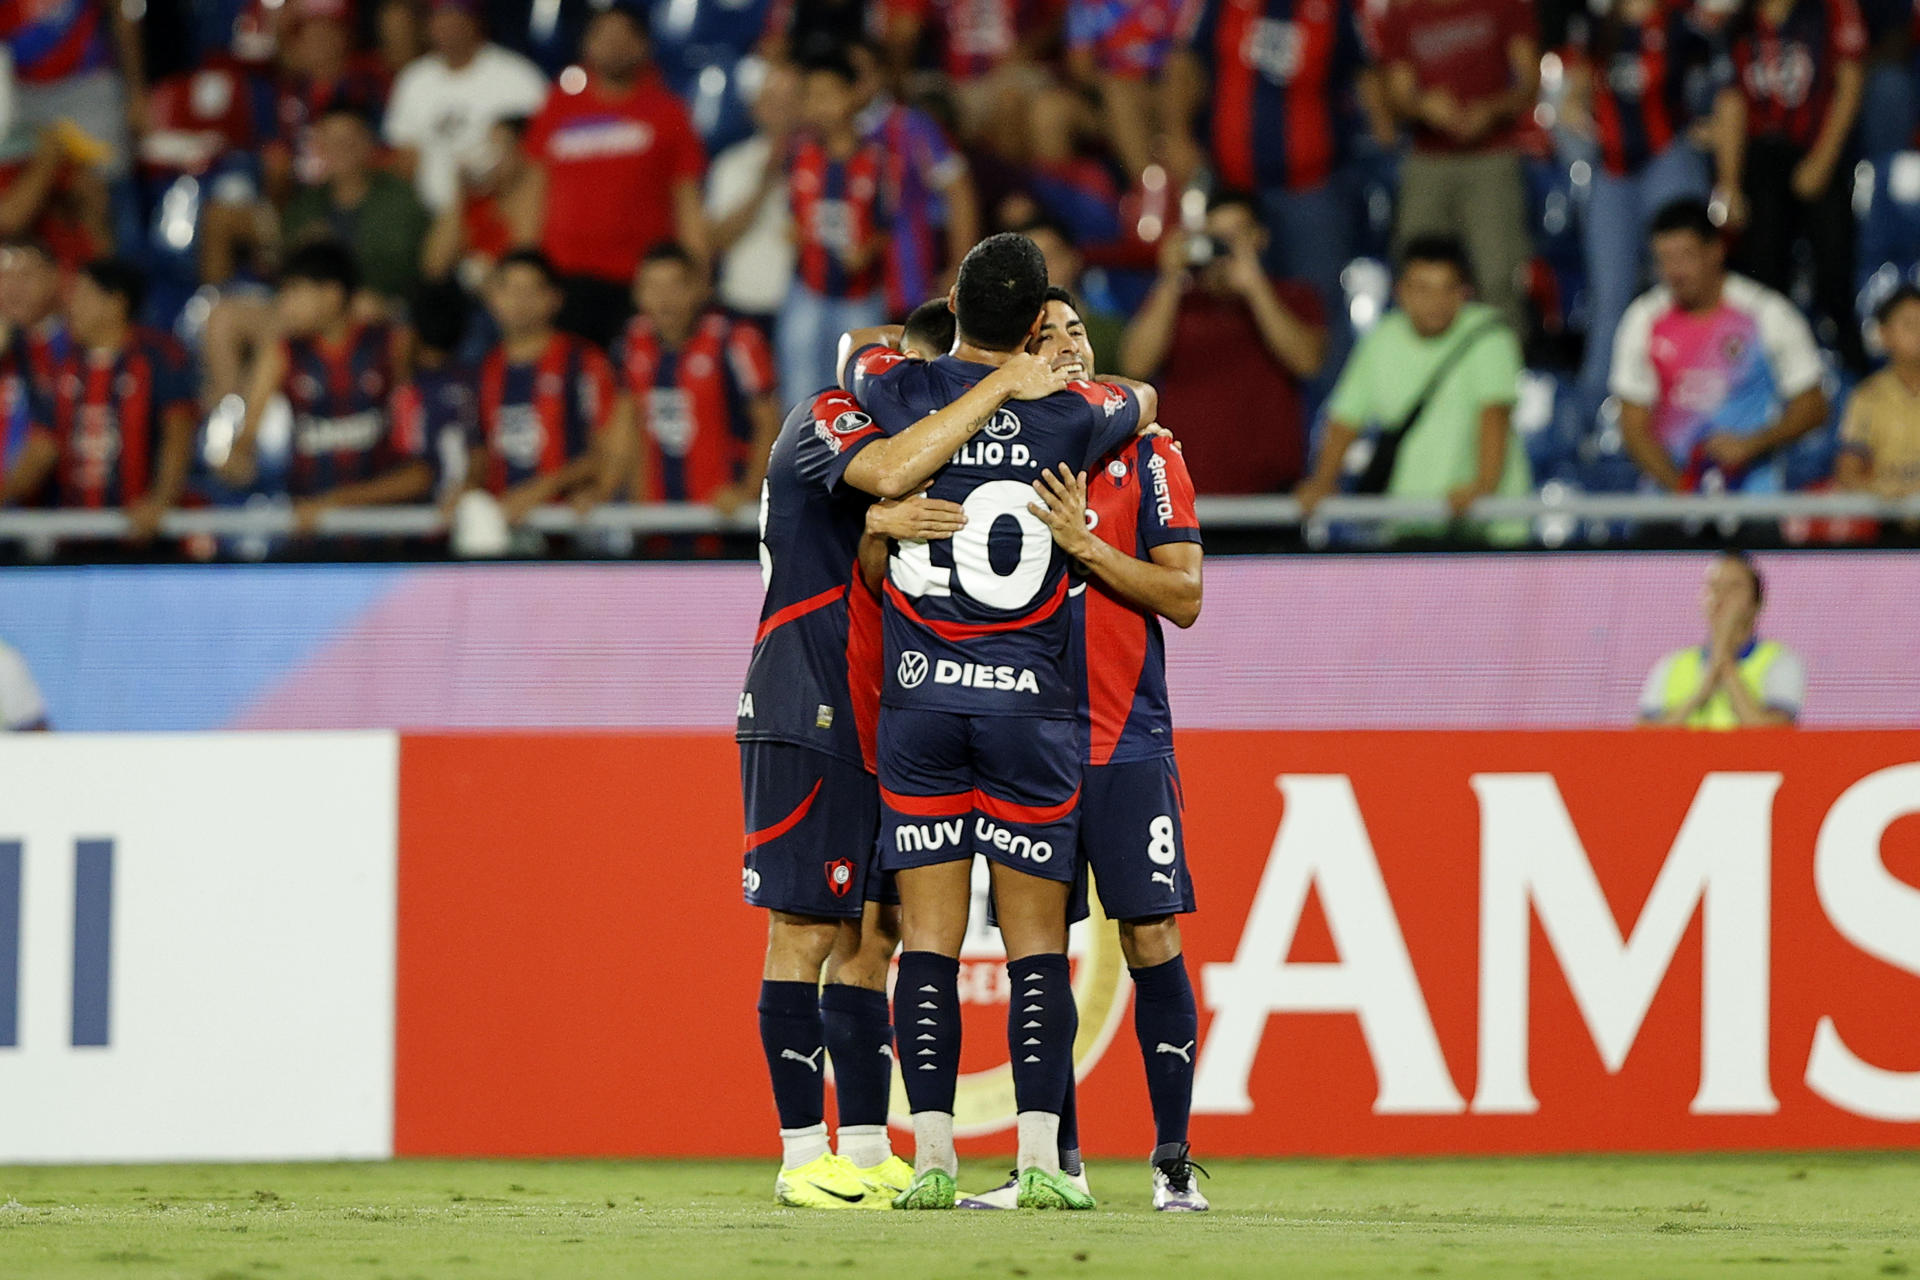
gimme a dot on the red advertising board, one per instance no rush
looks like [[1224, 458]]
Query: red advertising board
[[1407, 943]]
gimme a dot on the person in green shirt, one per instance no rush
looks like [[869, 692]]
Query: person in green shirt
[[1462, 447], [372, 212]]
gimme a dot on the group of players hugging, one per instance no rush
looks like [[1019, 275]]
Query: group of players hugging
[[967, 548]]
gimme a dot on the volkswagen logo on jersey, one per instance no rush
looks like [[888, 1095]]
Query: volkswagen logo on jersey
[[1005, 425], [912, 669]]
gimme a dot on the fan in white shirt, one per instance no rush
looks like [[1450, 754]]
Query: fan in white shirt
[[444, 102], [21, 706]]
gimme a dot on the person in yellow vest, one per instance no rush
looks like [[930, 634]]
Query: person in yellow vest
[[1736, 680]]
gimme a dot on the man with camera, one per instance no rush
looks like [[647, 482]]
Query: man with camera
[[1229, 349]]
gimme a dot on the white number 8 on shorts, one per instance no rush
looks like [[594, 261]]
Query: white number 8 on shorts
[[1160, 847]]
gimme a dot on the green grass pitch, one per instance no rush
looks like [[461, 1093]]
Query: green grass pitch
[[1775, 1215]]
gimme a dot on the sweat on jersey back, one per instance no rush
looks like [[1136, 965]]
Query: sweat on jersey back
[[977, 624], [814, 680]]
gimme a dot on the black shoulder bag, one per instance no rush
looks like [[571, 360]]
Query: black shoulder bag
[[1386, 446]]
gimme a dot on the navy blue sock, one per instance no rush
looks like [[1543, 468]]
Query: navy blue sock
[[926, 1018], [796, 1055], [1168, 1025], [860, 1043], [1040, 1026]]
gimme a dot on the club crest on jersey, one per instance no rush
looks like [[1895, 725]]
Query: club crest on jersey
[[912, 669], [1005, 425], [849, 423], [840, 877], [1117, 470]]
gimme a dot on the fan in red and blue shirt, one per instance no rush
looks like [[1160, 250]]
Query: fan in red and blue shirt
[[1798, 67], [702, 385], [548, 404], [54, 40], [926, 188], [835, 181], [22, 417], [30, 286]]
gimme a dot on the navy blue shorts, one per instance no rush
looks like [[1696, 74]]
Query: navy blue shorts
[[1131, 837], [1005, 787], [811, 821]]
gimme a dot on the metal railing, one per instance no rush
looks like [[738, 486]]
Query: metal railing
[[276, 519]]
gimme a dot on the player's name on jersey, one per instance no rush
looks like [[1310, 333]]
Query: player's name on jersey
[[991, 453]]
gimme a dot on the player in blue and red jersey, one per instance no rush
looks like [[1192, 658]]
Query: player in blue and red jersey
[[979, 740], [1800, 76], [834, 180], [1279, 110], [553, 424], [702, 385], [1129, 524], [120, 427], [807, 744], [338, 375]]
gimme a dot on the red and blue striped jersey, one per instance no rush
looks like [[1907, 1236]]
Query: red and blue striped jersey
[[691, 402], [977, 624], [1283, 87], [837, 210], [1786, 72], [1130, 38], [918, 164], [539, 415], [45, 348], [339, 395], [1140, 497], [53, 39], [435, 419], [22, 411], [814, 679], [1646, 80], [109, 415]]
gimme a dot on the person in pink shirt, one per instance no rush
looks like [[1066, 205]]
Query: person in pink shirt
[[1716, 375]]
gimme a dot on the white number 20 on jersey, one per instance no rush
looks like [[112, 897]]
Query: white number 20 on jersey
[[913, 571]]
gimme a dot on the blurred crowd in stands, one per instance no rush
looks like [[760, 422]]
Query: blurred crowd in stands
[[352, 252]]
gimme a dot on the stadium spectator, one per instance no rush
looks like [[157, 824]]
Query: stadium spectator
[[1796, 96], [1436, 381], [991, 51], [1640, 78], [840, 224], [496, 211], [336, 372], [1464, 75], [552, 425], [444, 105], [702, 388], [927, 186], [55, 194], [1880, 432], [1217, 335], [1715, 374], [22, 709], [1281, 77], [1118, 51], [622, 167], [434, 412], [30, 309], [1105, 327], [79, 65], [319, 70], [748, 210], [1735, 680], [1890, 98], [373, 212], [121, 418], [400, 35]]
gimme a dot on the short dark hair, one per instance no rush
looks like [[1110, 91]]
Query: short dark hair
[[1894, 301], [669, 251], [1444, 249], [1230, 197], [930, 326], [1745, 561], [1047, 222], [1056, 293], [515, 125], [829, 59], [352, 108], [1686, 215], [632, 11], [532, 258], [120, 278], [1002, 287], [322, 262], [439, 311]]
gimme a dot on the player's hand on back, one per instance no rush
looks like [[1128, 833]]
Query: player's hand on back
[[1031, 377], [1063, 508], [915, 518]]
